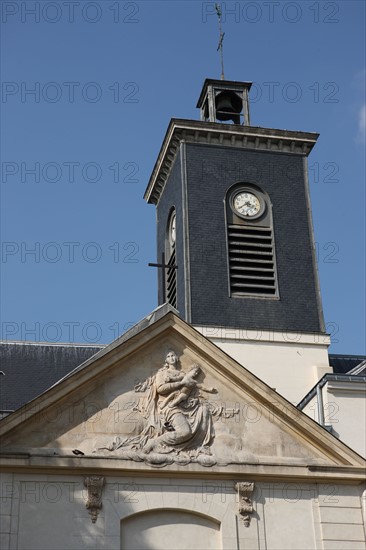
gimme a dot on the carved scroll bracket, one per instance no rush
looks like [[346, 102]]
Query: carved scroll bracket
[[245, 490], [94, 485]]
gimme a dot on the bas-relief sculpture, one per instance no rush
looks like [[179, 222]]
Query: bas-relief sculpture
[[181, 420], [178, 413], [178, 419]]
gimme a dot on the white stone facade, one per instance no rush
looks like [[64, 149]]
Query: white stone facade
[[343, 404], [289, 362], [98, 461], [40, 512]]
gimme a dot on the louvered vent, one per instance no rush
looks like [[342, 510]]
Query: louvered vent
[[172, 281], [251, 261]]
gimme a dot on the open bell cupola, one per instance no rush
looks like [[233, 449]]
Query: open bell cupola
[[225, 101]]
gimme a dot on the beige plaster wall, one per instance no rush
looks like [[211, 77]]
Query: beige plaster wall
[[345, 411], [290, 363]]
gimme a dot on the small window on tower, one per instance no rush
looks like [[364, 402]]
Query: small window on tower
[[171, 273], [250, 243]]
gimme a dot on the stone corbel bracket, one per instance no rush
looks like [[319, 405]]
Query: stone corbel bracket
[[245, 490], [94, 486]]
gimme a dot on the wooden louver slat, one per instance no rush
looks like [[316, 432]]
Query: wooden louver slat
[[251, 261], [172, 281]]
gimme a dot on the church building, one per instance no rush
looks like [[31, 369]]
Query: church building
[[209, 424]]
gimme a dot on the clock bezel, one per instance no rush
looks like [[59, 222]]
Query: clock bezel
[[172, 218], [258, 196]]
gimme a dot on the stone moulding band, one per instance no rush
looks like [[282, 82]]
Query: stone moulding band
[[247, 137]]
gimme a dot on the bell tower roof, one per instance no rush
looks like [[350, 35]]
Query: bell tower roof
[[223, 135]]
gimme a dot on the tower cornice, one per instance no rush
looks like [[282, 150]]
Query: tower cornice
[[223, 135]]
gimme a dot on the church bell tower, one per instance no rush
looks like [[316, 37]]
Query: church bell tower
[[233, 214]]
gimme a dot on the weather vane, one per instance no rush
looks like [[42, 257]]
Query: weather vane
[[221, 40]]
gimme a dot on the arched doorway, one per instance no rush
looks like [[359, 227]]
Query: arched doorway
[[170, 530]]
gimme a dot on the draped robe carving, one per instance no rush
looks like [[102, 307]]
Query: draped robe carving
[[178, 421]]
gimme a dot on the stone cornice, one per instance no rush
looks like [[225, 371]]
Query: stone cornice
[[227, 135], [271, 471], [308, 433]]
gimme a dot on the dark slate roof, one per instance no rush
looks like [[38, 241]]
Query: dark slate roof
[[342, 364], [359, 370], [154, 316], [30, 368]]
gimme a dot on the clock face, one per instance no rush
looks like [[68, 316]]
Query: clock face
[[246, 204], [172, 230]]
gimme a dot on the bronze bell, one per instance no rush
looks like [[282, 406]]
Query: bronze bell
[[228, 106]]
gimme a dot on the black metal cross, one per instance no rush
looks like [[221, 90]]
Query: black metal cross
[[164, 266]]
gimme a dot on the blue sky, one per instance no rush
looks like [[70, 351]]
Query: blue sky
[[107, 77]]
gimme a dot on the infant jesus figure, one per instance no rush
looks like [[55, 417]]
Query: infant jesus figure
[[186, 391]]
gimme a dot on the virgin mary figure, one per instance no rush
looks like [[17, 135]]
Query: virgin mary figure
[[177, 420]]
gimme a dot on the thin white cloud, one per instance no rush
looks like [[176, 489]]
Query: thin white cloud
[[362, 124]]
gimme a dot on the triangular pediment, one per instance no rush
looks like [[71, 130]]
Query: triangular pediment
[[132, 407]]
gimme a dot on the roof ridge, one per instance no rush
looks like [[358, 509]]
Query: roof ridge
[[64, 344]]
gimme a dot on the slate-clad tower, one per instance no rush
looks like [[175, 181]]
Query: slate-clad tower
[[233, 212]]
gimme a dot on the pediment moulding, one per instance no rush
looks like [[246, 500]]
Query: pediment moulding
[[170, 399], [183, 412], [246, 137]]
